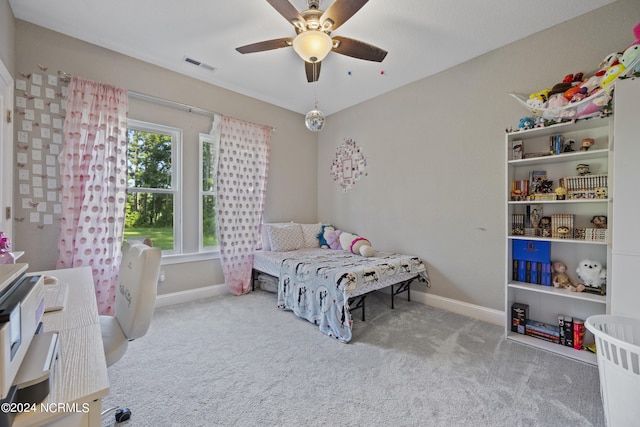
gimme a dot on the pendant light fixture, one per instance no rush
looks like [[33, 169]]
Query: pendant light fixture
[[314, 120]]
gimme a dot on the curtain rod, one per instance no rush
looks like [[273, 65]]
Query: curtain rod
[[175, 104], [161, 101]]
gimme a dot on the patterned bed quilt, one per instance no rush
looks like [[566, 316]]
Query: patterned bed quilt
[[317, 287]]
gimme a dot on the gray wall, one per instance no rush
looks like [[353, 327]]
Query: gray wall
[[7, 32], [293, 148], [435, 148]]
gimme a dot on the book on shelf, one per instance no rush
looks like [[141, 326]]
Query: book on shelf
[[556, 144], [543, 330], [587, 186], [519, 317], [532, 250], [522, 270], [517, 224], [545, 279], [534, 272], [578, 333], [560, 222], [532, 216], [518, 149], [565, 327], [535, 181]]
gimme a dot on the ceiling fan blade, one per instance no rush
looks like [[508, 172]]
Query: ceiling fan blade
[[289, 12], [266, 45], [340, 11], [313, 71], [358, 49]]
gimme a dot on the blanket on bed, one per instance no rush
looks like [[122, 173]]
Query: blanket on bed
[[317, 287]]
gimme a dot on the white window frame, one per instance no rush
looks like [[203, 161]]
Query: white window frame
[[203, 139], [176, 177]]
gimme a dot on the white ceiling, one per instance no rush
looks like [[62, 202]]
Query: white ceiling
[[422, 37]]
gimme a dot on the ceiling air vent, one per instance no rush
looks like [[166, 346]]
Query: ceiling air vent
[[199, 64]]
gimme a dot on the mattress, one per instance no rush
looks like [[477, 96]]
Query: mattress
[[317, 284], [271, 262]]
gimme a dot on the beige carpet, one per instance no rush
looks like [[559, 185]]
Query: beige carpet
[[239, 361]]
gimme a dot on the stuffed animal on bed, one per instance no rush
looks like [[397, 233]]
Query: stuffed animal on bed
[[355, 244], [329, 237]]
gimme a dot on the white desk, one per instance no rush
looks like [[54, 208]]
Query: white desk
[[80, 376]]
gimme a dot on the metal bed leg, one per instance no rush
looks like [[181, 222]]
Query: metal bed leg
[[359, 303]]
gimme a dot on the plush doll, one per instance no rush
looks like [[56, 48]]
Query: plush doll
[[562, 280], [612, 74], [592, 273], [633, 51], [320, 236], [332, 237], [355, 244], [526, 123]]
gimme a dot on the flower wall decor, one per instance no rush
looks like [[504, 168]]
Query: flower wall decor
[[349, 165]]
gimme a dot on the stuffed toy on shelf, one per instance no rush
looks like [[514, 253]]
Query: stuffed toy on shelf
[[562, 280]]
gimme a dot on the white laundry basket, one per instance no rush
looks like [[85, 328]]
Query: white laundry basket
[[618, 349]]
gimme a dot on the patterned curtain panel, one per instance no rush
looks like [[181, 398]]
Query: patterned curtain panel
[[93, 167], [241, 185]]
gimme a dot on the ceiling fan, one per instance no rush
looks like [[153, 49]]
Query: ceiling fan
[[313, 40]]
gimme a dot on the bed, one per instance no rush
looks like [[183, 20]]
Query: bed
[[323, 286]]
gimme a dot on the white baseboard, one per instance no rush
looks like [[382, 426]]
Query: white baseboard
[[485, 314], [172, 298]]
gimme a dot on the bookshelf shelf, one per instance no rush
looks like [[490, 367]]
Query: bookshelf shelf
[[581, 355], [547, 239], [557, 202], [546, 303], [566, 157], [558, 292]]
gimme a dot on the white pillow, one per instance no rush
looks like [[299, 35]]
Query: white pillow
[[310, 233], [264, 231], [285, 238]]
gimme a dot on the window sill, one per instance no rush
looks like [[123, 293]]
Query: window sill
[[189, 257]]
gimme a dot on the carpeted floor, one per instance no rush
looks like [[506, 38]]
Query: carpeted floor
[[239, 361]]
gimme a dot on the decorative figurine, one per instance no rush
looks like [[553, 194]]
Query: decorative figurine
[[545, 226], [599, 221], [563, 231], [583, 169], [546, 186], [561, 193], [567, 146], [586, 144], [601, 192]]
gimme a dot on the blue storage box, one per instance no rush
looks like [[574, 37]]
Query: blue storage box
[[532, 250]]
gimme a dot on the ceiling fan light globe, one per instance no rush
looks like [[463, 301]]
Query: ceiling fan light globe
[[312, 45], [314, 120]]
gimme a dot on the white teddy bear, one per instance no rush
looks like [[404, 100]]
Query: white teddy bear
[[592, 273]]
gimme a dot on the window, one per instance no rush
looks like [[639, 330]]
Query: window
[[208, 237], [153, 199]]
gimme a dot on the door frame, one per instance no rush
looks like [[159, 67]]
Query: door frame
[[6, 148]]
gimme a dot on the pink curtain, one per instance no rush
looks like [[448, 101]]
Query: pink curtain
[[242, 170], [93, 167]]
